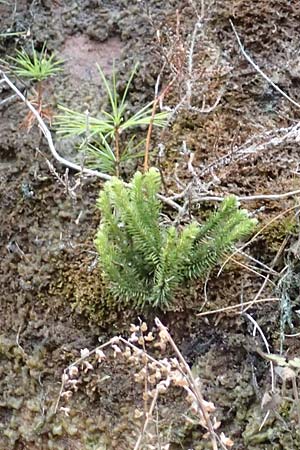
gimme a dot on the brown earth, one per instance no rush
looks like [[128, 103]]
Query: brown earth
[[53, 303]]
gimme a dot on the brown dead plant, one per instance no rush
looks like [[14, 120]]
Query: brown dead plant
[[155, 375]]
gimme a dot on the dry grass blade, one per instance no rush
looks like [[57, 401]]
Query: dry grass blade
[[240, 305], [257, 327], [256, 235]]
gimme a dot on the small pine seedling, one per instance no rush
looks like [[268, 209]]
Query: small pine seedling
[[102, 142], [37, 68]]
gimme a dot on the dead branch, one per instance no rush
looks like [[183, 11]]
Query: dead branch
[[46, 132], [193, 384], [90, 172], [258, 69]]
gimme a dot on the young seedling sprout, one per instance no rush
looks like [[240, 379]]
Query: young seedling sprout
[[37, 68], [102, 135]]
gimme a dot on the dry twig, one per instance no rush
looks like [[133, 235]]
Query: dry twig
[[46, 132], [258, 69]]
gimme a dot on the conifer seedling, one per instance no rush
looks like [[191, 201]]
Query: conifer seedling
[[102, 141], [36, 67]]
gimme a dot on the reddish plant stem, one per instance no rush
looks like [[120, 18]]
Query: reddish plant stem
[[149, 132]]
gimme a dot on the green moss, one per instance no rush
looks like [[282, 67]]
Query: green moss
[[276, 232]]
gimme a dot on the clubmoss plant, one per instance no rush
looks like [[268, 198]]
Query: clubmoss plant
[[102, 136], [144, 261]]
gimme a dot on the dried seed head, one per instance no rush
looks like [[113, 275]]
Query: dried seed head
[[134, 328], [144, 327], [163, 336], [144, 358], [140, 376], [149, 337], [73, 371], [158, 374], [65, 410], [84, 353], [138, 413], [190, 398], [137, 352], [149, 394], [166, 366], [174, 362], [161, 345], [153, 365], [133, 359], [226, 441], [216, 423], [67, 394], [87, 366], [117, 350], [141, 340], [195, 408], [64, 378], [178, 379], [133, 337], [127, 352], [73, 385], [209, 406], [152, 379], [99, 355], [162, 386]]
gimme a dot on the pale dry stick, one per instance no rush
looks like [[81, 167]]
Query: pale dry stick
[[190, 67], [240, 305], [8, 99], [183, 193], [146, 395], [205, 293], [168, 201], [48, 136], [284, 135], [158, 440], [257, 327], [267, 268], [157, 99], [247, 198], [251, 269], [283, 244], [62, 160], [147, 420], [289, 134], [258, 69], [209, 109], [255, 236], [198, 24], [193, 383], [18, 339], [292, 335], [258, 294]]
